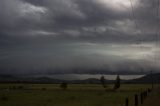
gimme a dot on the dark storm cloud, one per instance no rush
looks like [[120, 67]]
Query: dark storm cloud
[[84, 19], [61, 34]]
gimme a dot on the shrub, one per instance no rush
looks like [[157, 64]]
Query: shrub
[[63, 86], [43, 89], [20, 87], [4, 98]]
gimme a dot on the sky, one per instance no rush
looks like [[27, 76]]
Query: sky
[[79, 36]]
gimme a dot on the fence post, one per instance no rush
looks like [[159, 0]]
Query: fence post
[[146, 93], [149, 90], [141, 97], [127, 101], [136, 100]]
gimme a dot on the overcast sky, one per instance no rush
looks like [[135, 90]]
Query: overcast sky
[[49, 36]]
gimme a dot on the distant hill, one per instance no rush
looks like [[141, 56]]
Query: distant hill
[[18, 79], [79, 71], [15, 79]]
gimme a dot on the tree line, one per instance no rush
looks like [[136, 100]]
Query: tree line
[[64, 85]]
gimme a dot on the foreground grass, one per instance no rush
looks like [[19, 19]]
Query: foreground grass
[[75, 95]]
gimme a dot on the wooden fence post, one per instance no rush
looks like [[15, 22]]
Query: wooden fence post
[[146, 93], [127, 101], [136, 100], [141, 97]]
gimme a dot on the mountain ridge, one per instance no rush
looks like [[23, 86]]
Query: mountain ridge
[[18, 79]]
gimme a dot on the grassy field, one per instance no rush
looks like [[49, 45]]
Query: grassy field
[[75, 95]]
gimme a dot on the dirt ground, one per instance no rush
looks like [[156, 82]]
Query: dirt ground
[[153, 99]]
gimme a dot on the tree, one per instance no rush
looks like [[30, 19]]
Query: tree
[[64, 85], [117, 83], [102, 79]]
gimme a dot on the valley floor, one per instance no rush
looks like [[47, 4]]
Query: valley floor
[[74, 95]]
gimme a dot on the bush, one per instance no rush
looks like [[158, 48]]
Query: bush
[[20, 87], [44, 89], [4, 98], [63, 86]]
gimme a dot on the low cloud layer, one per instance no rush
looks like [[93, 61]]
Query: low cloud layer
[[42, 36]]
